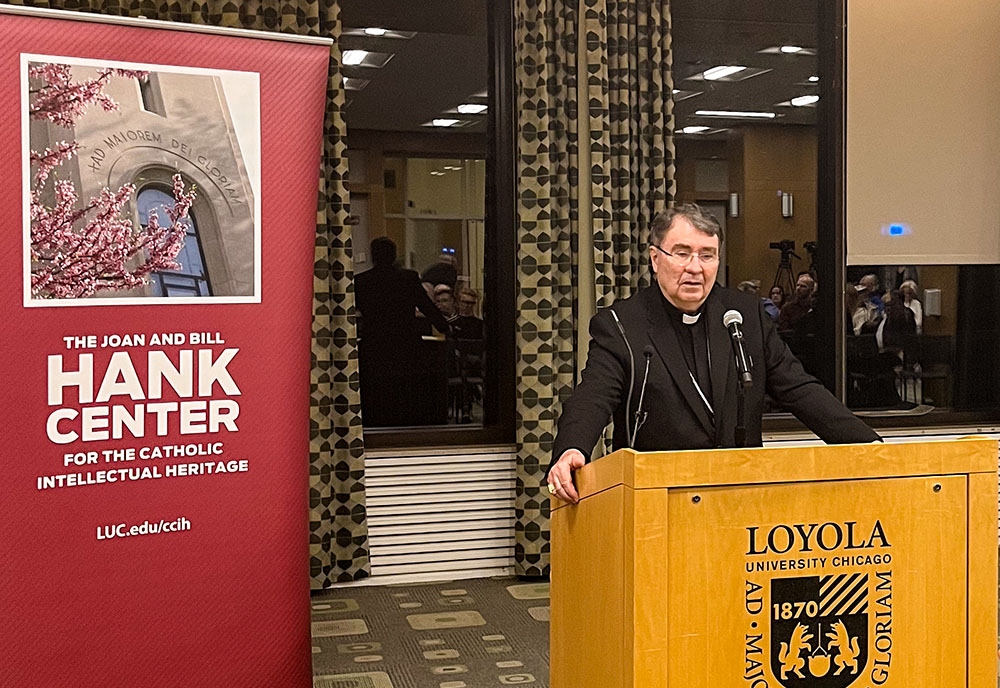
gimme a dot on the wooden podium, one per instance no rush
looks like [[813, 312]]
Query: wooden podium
[[823, 567]]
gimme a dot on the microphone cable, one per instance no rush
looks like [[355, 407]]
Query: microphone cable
[[631, 379]]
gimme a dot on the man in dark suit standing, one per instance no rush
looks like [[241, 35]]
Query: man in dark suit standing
[[388, 298], [675, 327], [400, 384]]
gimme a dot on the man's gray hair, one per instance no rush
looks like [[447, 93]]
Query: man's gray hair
[[700, 219]]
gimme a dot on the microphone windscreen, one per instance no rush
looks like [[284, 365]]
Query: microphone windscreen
[[648, 351], [732, 316]]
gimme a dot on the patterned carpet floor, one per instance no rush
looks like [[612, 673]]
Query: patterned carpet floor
[[460, 634]]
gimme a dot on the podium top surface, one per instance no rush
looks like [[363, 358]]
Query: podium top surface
[[761, 465]]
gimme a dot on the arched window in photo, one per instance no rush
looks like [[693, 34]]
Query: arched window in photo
[[192, 278]]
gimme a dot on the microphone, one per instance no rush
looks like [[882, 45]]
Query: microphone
[[732, 320], [640, 415]]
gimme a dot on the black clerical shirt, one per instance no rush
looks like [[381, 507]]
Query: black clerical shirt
[[693, 335]]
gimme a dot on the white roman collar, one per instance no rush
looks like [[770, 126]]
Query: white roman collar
[[690, 319]]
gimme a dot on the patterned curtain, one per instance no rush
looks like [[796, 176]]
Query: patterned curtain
[[628, 127], [631, 129], [338, 538]]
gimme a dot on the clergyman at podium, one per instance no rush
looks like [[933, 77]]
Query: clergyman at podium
[[685, 363]]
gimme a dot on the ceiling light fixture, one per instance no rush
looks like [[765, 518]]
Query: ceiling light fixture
[[721, 72], [693, 130], [803, 101], [813, 79], [444, 122], [366, 59], [377, 32], [735, 113], [355, 84], [680, 95], [472, 108], [354, 57], [791, 49], [453, 167]]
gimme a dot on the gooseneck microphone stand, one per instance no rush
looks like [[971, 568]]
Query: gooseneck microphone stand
[[732, 320], [741, 418]]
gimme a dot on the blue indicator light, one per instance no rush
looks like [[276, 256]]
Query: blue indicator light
[[896, 229]]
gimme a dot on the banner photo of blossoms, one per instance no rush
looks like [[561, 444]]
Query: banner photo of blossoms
[[142, 183]]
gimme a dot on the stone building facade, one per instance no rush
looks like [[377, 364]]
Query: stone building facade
[[173, 123]]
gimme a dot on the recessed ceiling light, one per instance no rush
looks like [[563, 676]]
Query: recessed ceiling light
[[453, 167], [680, 94], [721, 72], [366, 59], [693, 130], [354, 57], [444, 122], [814, 79], [437, 173], [802, 101], [472, 108], [377, 32], [354, 84], [735, 113], [787, 50]]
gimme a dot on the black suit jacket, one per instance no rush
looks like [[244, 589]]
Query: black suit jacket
[[677, 417], [387, 298]]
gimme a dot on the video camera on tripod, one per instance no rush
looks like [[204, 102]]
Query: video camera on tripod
[[787, 248], [783, 277]]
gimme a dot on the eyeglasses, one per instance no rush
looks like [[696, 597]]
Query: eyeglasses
[[682, 258]]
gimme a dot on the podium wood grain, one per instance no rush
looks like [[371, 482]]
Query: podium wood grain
[[649, 570]]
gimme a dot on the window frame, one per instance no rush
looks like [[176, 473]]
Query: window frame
[[164, 189], [499, 269], [831, 263]]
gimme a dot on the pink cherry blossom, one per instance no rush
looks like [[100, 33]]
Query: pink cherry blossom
[[81, 247]]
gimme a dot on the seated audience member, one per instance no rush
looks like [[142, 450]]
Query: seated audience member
[[910, 300], [871, 306], [467, 325], [444, 299], [897, 324], [444, 271], [871, 292], [855, 311], [777, 295], [798, 322], [469, 347], [423, 324], [772, 309], [800, 304], [753, 287]]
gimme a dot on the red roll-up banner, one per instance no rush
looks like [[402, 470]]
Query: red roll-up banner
[[158, 207]]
